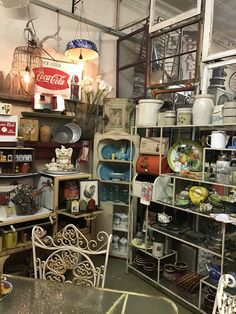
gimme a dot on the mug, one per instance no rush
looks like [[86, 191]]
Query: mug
[[219, 139]]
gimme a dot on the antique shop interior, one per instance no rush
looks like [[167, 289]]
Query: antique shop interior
[[118, 156]]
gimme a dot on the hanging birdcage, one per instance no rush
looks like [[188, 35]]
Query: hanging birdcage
[[26, 56]]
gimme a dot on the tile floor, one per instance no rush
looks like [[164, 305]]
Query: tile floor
[[117, 279]]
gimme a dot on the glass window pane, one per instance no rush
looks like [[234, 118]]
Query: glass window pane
[[132, 49], [187, 66], [132, 82], [189, 38], [172, 43], [224, 25], [171, 67], [166, 9], [158, 47], [156, 75]]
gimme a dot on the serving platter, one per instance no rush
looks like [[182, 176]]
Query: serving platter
[[185, 153], [59, 172]]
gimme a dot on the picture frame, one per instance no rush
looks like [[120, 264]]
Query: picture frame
[[89, 190]]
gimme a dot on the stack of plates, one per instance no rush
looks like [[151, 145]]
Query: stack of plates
[[149, 266], [140, 258], [229, 112]]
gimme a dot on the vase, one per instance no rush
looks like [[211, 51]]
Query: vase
[[202, 109]]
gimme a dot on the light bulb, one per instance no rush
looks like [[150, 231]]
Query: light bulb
[[26, 77], [80, 68]]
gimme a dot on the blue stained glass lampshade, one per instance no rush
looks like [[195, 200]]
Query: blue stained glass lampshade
[[81, 48]]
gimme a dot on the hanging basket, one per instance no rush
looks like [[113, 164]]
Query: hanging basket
[[26, 56]]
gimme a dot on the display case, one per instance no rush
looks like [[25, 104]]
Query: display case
[[192, 213], [17, 161], [114, 157]]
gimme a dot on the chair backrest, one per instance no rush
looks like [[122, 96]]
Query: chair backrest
[[225, 303], [67, 256]]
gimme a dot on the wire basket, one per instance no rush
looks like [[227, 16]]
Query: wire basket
[[27, 201], [26, 56]]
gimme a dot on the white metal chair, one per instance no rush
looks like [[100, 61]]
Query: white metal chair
[[224, 302], [66, 257]]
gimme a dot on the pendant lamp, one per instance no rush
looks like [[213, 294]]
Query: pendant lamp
[[81, 49]]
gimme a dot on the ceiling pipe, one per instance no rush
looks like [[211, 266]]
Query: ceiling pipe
[[105, 29]]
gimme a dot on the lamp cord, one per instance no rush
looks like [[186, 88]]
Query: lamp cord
[[82, 14]]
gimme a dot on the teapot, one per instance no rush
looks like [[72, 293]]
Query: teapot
[[164, 218]]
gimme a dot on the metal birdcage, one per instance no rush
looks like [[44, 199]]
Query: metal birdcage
[[26, 56]]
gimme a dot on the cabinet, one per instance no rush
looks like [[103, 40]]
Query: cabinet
[[15, 231], [198, 233], [16, 161], [114, 157], [54, 199]]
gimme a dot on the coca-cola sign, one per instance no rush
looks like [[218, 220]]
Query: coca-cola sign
[[51, 78]]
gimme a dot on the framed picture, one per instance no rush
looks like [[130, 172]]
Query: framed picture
[[89, 193]]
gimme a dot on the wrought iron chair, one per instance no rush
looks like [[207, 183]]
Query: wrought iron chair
[[67, 257], [225, 303]]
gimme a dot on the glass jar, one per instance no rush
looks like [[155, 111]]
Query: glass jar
[[116, 197], [125, 196]]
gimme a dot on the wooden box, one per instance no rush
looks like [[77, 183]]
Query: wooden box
[[29, 129], [154, 145]]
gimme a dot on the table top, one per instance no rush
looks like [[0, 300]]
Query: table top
[[37, 296]]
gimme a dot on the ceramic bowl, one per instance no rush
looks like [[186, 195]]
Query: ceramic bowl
[[180, 266]]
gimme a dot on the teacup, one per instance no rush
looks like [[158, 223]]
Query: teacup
[[164, 218]]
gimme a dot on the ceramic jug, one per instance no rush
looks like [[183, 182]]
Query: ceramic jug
[[202, 109], [115, 242], [123, 245]]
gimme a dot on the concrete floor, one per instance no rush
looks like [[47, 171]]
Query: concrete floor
[[117, 279]]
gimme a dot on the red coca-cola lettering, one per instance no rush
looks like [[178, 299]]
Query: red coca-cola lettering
[[51, 78]]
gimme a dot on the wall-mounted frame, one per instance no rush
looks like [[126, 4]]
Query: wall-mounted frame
[[157, 22], [219, 21]]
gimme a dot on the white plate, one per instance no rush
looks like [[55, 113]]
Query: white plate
[[162, 188], [142, 246]]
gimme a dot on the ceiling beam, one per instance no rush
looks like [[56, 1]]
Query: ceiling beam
[[105, 29]]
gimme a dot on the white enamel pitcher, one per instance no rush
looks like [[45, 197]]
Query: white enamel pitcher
[[219, 139]]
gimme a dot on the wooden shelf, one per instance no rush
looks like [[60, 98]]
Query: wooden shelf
[[46, 115], [16, 98]]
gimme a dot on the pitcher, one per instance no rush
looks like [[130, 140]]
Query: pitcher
[[219, 139]]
